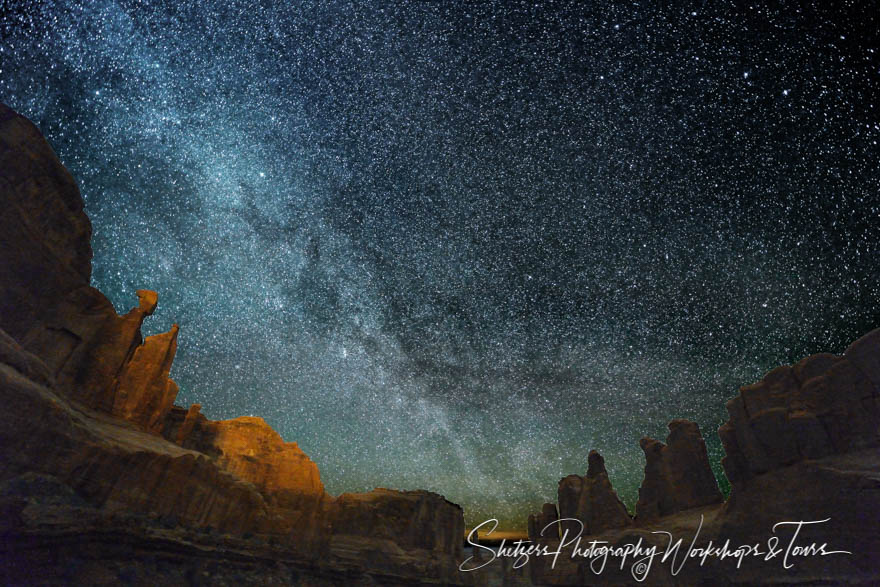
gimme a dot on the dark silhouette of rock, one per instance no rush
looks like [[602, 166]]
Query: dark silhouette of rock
[[864, 354], [418, 518], [802, 446], [13, 355], [823, 405], [592, 500], [542, 526], [678, 475]]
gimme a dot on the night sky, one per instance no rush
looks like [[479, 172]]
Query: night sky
[[456, 246]]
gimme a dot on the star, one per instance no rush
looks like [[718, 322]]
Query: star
[[456, 249]]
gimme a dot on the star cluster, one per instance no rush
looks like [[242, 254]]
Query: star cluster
[[455, 246]]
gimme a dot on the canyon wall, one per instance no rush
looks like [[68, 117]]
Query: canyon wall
[[103, 479], [98, 466], [802, 445]]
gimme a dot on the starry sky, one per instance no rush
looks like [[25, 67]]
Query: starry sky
[[455, 246]]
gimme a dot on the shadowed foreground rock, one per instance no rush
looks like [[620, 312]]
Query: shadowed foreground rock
[[542, 525], [821, 406], [103, 480], [678, 475], [592, 500], [803, 445]]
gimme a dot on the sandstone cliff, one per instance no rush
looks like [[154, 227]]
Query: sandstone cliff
[[103, 479]]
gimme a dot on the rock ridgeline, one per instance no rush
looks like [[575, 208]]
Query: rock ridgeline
[[821, 406], [678, 476], [591, 500], [99, 468], [801, 444]]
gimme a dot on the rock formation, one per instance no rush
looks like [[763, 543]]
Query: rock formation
[[592, 500], [801, 445], [99, 470], [400, 517], [90, 350], [821, 406], [103, 480], [541, 525], [45, 251], [678, 475]]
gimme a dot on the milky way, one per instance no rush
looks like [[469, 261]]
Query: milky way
[[455, 246]]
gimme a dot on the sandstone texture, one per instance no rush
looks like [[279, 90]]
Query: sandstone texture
[[45, 251], [104, 480]]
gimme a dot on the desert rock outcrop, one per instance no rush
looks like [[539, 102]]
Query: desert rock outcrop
[[541, 525], [592, 500], [99, 467], [678, 475], [823, 405]]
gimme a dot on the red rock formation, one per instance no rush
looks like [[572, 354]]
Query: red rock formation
[[44, 234], [94, 414], [45, 298], [189, 422], [111, 463], [144, 393], [256, 453], [99, 358], [677, 474]]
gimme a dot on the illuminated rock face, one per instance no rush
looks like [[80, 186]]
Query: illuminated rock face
[[95, 419], [256, 453], [95, 356]]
